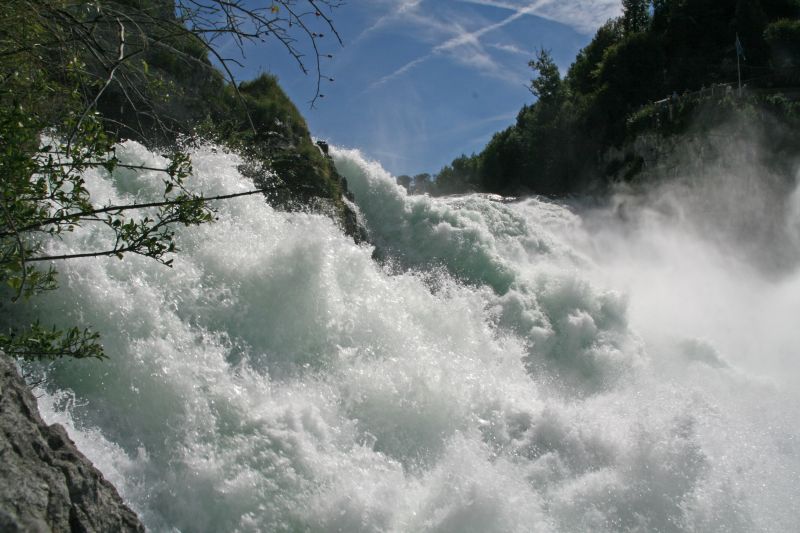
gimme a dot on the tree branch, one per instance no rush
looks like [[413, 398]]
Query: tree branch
[[128, 207]]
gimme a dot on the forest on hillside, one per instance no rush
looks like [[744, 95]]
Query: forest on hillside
[[651, 69]]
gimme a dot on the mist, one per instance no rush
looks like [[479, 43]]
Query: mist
[[479, 366], [706, 247]]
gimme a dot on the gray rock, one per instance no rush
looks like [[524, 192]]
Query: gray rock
[[46, 484]]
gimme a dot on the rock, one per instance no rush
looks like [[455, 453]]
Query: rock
[[46, 484]]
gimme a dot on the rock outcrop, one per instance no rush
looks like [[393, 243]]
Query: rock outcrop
[[46, 484]]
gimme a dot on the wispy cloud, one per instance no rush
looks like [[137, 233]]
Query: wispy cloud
[[461, 45], [474, 37], [465, 46], [583, 15], [399, 72], [481, 123], [511, 49], [396, 10]]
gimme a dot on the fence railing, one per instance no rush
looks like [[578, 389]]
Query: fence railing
[[667, 108]]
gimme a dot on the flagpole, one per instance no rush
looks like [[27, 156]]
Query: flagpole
[[739, 70], [739, 52]]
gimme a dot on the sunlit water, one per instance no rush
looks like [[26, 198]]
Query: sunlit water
[[487, 367]]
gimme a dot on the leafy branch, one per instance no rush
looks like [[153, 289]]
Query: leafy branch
[[65, 66], [38, 342]]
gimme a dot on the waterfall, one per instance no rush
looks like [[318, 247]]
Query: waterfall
[[480, 366]]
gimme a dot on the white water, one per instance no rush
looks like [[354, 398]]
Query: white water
[[506, 367]]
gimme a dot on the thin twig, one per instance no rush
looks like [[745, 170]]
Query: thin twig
[[120, 208]]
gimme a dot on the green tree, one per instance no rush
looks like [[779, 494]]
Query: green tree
[[635, 16], [460, 176], [61, 61], [547, 85], [422, 183], [750, 21], [582, 77], [404, 180], [618, 84], [781, 9], [783, 39]]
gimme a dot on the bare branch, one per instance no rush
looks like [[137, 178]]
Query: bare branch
[[116, 209]]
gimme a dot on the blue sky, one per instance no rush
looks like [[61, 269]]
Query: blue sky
[[419, 82]]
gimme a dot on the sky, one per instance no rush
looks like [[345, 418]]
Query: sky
[[420, 82]]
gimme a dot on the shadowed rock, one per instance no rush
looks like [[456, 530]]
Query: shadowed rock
[[46, 484]]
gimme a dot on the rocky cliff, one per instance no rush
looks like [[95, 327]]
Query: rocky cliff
[[46, 484]]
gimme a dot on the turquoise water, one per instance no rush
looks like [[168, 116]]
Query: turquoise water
[[525, 366]]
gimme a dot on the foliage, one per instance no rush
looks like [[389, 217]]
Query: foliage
[[423, 183], [86, 73], [419, 184], [43, 195], [461, 175], [404, 181], [583, 74], [783, 37], [635, 17], [37, 342], [656, 51], [547, 86]]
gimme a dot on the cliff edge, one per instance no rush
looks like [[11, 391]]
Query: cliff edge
[[48, 484]]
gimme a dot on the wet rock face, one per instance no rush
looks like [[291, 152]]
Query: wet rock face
[[46, 484]]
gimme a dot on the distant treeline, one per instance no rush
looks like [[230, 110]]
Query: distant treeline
[[656, 51]]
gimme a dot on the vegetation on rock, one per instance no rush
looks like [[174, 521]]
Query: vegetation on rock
[[76, 77]]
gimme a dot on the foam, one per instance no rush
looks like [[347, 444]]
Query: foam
[[488, 375]]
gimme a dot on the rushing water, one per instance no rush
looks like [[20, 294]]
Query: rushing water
[[486, 366]]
